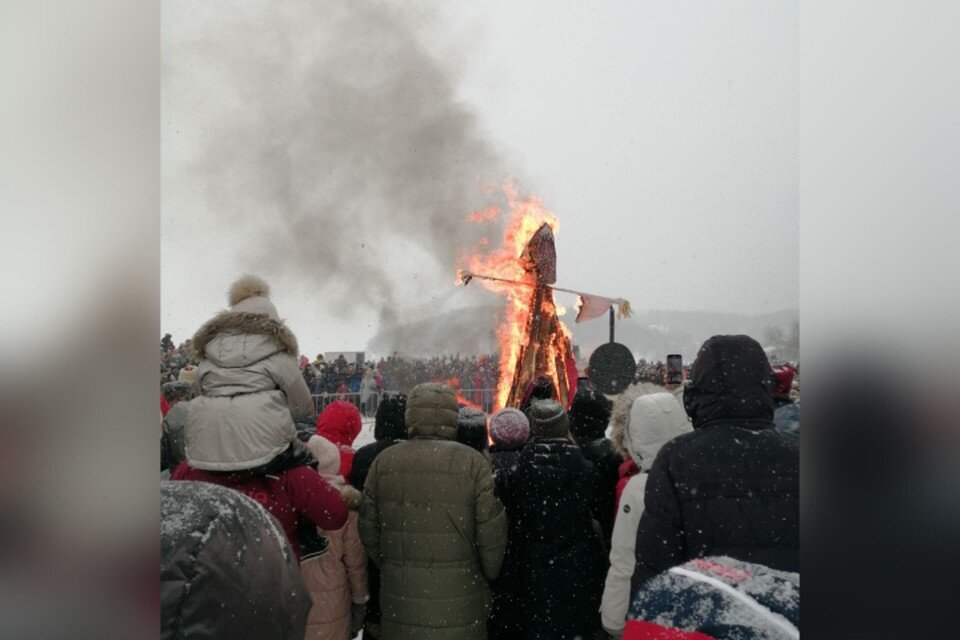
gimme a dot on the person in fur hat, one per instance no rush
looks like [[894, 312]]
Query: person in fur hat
[[641, 425], [337, 579], [250, 388], [340, 423]]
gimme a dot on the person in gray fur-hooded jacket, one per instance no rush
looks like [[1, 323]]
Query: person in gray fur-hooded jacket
[[250, 387]]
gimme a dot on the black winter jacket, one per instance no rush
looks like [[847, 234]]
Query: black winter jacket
[[507, 616], [589, 419], [732, 486], [606, 466], [561, 556], [388, 429], [503, 462]]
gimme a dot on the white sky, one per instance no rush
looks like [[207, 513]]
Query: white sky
[[664, 135]]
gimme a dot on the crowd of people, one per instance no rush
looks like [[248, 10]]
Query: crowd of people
[[363, 383], [359, 382], [654, 372], [174, 359], [530, 523]]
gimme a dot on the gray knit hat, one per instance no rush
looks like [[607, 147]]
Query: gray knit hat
[[548, 419]]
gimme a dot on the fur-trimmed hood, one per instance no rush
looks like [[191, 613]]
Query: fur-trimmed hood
[[645, 417], [235, 323], [620, 415]]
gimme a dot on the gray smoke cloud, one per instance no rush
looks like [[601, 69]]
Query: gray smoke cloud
[[338, 149]]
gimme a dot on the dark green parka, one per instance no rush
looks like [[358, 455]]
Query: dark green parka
[[429, 519]]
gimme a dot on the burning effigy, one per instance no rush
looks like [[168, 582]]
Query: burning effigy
[[534, 343], [547, 351]]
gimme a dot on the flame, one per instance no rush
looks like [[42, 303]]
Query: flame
[[467, 403], [484, 215], [454, 383], [527, 214]]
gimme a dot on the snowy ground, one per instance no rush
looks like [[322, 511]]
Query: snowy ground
[[366, 434]]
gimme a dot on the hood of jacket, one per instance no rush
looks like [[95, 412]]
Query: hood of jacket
[[640, 430], [653, 421], [326, 453], [238, 339], [432, 412], [731, 382], [351, 496], [206, 532], [340, 423], [620, 416]]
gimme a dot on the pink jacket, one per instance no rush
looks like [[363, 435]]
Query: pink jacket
[[337, 579]]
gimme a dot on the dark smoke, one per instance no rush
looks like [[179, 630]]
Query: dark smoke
[[339, 149]]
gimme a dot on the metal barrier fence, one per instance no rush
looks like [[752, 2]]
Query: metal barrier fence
[[483, 398]]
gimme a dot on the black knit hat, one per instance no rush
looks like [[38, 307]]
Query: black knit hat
[[589, 414], [472, 428], [390, 422], [548, 419]]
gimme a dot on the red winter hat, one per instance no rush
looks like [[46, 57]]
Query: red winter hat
[[783, 377], [340, 423]]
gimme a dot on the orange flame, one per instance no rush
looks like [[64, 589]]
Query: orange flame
[[454, 383], [484, 215], [527, 215]]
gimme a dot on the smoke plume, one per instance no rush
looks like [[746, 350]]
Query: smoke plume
[[335, 147]]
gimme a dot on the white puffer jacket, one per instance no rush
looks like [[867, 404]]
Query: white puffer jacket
[[642, 424], [251, 392]]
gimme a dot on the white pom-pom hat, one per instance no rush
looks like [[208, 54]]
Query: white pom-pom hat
[[251, 294]]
